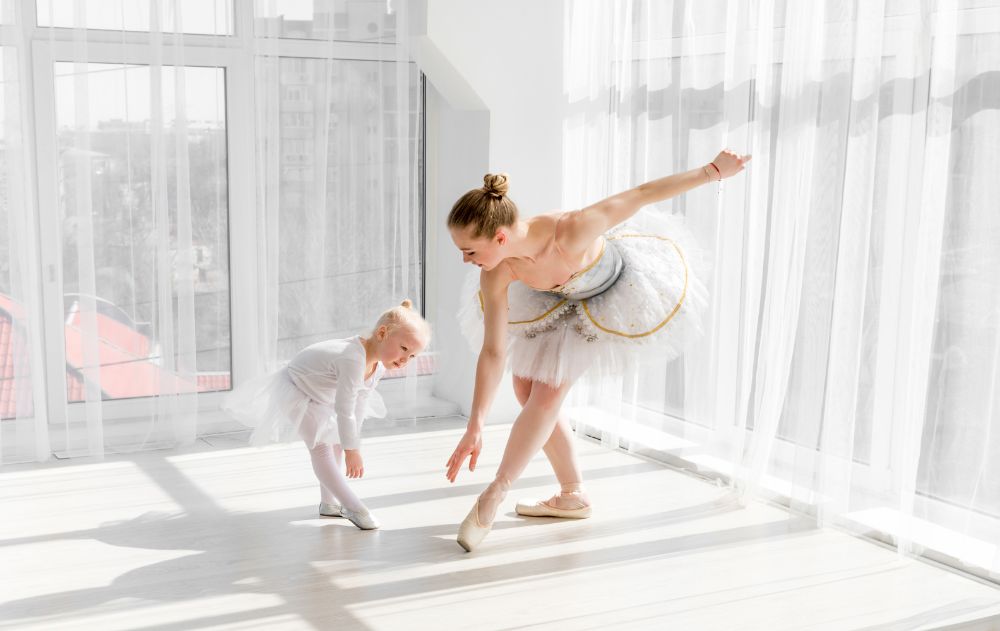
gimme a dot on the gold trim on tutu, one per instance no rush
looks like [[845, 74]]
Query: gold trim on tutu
[[673, 311]]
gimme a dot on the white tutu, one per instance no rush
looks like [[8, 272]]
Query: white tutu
[[275, 408], [654, 309]]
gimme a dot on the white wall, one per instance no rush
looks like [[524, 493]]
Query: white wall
[[457, 152], [510, 53], [494, 103]]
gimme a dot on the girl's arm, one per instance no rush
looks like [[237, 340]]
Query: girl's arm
[[489, 369], [591, 222], [350, 378]]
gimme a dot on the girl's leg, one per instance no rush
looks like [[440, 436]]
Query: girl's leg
[[531, 431], [326, 495], [327, 462], [338, 461], [333, 479], [561, 452]]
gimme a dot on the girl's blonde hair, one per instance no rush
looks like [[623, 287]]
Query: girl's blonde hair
[[486, 209], [404, 315]]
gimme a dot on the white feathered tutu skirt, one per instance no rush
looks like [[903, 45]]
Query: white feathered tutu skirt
[[653, 311], [278, 411]]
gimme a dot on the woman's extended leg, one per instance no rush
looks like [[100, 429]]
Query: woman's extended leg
[[531, 431]]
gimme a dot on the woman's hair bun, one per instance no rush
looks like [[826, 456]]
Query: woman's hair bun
[[496, 184], [407, 303]]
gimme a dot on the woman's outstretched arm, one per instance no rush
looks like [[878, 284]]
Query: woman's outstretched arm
[[489, 369], [591, 222]]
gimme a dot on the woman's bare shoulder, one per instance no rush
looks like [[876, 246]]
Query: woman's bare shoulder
[[547, 225], [550, 218], [573, 235]]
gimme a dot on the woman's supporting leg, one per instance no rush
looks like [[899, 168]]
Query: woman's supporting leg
[[532, 429], [561, 452]]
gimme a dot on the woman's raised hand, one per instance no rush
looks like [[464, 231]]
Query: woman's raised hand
[[470, 445], [729, 163]]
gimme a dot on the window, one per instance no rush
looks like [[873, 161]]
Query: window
[[16, 387], [886, 418], [957, 443], [338, 257], [111, 225], [337, 20], [208, 17], [138, 237]]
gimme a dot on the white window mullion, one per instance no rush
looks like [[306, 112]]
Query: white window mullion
[[243, 235], [49, 231], [926, 196], [887, 359], [135, 38], [319, 49], [142, 55], [17, 36], [10, 35]]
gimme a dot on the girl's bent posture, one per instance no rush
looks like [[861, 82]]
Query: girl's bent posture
[[323, 395]]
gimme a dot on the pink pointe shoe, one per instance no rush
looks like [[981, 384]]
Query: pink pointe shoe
[[471, 531], [573, 507]]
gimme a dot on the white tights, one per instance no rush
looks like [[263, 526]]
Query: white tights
[[328, 465], [327, 461]]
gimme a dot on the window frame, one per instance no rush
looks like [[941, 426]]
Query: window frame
[[38, 49], [239, 149]]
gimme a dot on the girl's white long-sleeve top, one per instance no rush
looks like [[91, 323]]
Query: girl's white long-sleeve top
[[333, 373]]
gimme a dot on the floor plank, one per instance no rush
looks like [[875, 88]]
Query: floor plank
[[221, 536]]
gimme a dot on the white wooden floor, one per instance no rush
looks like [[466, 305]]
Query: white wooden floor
[[226, 537]]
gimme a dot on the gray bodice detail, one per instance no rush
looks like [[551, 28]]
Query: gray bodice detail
[[595, 279]]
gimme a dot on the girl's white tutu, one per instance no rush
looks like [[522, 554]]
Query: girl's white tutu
[[275, 408], [654, 309]]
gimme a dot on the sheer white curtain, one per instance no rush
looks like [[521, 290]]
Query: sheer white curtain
[[23, 433], [165, 139], [852, 360], [338, 153], [97, 265]]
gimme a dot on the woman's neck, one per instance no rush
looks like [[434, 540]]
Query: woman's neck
[[522, 244]]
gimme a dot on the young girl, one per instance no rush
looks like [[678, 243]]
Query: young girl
[[323, 395], [573, 291]]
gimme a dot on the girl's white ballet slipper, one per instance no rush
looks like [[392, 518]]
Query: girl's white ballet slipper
[[471, 533], [330, 510], [541, 508], [363, 520]]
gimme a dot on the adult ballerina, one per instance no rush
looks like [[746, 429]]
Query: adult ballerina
[[562, 292]]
